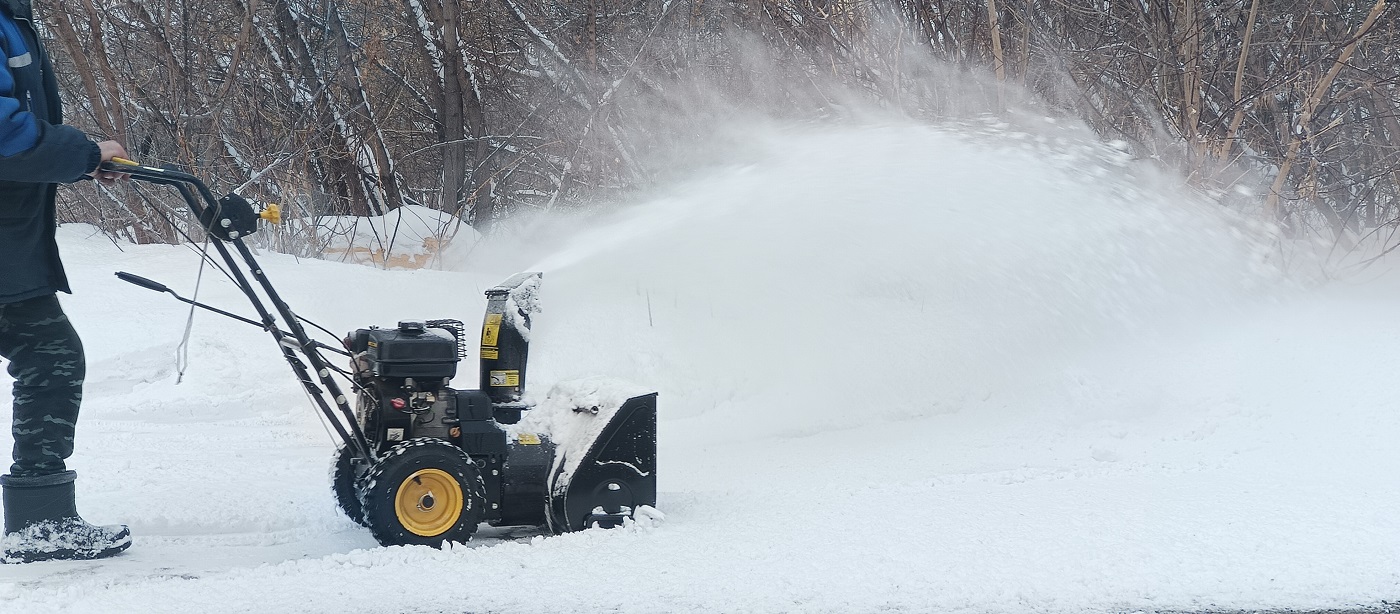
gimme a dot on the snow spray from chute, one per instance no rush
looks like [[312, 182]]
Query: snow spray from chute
[[885, 272]]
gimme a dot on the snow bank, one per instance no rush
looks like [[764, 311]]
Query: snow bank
[[407, 237]]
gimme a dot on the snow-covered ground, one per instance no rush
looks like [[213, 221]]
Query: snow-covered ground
[[901, 370]]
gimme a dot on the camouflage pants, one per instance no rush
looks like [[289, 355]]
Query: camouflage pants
[[46, 360]]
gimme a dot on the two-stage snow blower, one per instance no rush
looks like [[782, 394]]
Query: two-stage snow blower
[[420, 462]]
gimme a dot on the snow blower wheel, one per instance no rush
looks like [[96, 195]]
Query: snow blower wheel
[[345, 480], [423, 492]]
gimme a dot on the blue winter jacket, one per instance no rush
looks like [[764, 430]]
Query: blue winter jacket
[[37, 152]]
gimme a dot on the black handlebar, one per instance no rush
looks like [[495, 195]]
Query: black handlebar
[[226, 219], [142, 281], [149, 173], [229, 220]]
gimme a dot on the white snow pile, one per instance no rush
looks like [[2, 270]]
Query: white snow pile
[[522, 303], [901, 369], [407, 237]]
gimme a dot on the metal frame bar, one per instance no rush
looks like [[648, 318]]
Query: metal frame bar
[[293, 340]]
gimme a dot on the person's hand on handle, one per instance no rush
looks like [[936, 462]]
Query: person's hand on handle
[[110, 149]]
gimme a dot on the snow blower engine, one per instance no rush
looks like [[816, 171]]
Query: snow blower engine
[[420, 462]]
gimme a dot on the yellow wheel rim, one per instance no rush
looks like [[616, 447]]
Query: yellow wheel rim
[[429, 502]]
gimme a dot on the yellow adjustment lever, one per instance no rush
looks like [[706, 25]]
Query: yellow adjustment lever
[[126, 162], [272, 213]]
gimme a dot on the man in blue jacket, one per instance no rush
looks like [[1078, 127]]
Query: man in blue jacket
[[38, 152]]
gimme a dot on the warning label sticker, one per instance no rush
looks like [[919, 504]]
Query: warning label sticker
[[490, 353], [491, 330], [505, 379], [527, 439]]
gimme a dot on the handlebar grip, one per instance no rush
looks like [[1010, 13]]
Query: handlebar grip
[[113, 166], [142, 281]]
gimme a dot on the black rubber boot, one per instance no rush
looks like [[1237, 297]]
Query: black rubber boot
[[42, 523]]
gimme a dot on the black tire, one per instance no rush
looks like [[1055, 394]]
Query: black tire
[[423, 492], [345, 484]]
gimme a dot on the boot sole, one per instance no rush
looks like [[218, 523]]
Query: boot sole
[[63, 554]]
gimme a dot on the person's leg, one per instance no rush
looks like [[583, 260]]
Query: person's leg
[[46, 360]]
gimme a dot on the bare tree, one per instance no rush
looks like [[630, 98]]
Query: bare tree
[[486, 108]]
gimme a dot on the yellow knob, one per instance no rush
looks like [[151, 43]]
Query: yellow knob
[[272, 213]]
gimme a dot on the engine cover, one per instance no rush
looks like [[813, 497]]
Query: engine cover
[[411, 350]]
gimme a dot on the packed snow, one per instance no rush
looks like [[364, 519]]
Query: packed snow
[[986, 368]]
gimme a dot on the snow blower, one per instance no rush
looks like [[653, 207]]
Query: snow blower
[[420, 462]]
